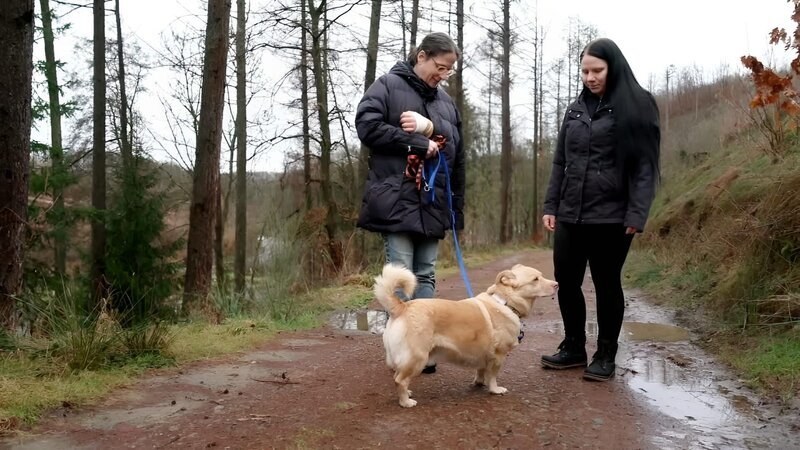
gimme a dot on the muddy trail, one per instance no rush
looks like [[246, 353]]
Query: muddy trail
[[330, 388]]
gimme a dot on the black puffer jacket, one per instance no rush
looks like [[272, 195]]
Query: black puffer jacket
[[391, 201], [588, 183]]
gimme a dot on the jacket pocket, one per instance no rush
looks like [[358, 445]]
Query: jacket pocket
[[607, 180], [383, 200]]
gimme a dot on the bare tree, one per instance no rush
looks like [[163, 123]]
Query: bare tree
[[56, 144], [318, 55], [459, 78], [98, 247], [206, 170], [505, 124], [538, 106], [412, 41], [369, 75], [305, 109], [126, 148], [241, 148], [669, 73], [16, 58]]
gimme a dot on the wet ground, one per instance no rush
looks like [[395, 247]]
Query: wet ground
[[329, 388]]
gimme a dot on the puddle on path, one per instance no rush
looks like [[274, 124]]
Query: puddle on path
[[370, 320], [661, 366], [658, 362], [634, 331]]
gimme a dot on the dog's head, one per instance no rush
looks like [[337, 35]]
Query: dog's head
[[520, 286]]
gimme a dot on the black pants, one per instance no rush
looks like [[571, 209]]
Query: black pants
[[605, 247]]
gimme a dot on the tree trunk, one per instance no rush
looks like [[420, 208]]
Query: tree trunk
[[369, 78], [318, 54], [505, 124], [403, 51], [241, 150], [126, 149], [56, 145], [206, 170], [459, 79], [537, 124], [219, 233], [16, 59], [304, 104], [412, 41], [99, 285]]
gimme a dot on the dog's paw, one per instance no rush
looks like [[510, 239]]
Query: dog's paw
[[498, 390], [410, 403]]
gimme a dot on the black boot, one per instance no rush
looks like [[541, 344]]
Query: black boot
[[571, 353], [602, 367]]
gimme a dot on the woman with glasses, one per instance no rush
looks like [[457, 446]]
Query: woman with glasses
[[413, 132]]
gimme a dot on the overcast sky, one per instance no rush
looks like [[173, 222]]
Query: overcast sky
[[654, 34], [651, 34]]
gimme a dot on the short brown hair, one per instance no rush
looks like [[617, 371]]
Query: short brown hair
[[436, 43]]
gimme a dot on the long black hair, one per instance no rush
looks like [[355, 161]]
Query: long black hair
[[636, 122]]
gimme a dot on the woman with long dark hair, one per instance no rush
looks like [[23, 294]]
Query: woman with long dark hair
[[603, 180]]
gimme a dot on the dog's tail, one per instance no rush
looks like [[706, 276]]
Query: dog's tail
[[394, 277]]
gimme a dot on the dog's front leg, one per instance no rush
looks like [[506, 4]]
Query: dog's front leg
[[492, 370]]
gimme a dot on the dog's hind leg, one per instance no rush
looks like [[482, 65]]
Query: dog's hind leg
[[491, 376], [402, 379], [480, 375]]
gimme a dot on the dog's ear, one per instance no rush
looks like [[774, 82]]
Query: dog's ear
[[506, 277]]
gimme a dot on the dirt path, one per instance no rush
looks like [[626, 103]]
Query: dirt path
[[330, 388]]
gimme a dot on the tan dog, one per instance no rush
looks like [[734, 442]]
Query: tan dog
[[476, 332]]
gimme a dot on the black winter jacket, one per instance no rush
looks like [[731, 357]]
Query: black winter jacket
[[587, 183], [391, 202]]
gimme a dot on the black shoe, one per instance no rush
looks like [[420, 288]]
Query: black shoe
[[602, 367], [429, 369], [571, 353]]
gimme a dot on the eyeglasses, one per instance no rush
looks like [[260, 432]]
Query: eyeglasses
[[443, 69]]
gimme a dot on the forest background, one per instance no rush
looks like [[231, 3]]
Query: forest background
[[148, 212]]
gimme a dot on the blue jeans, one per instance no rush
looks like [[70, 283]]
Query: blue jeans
[[416, 253]]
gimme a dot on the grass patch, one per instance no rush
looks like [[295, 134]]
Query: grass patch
[[309, 437], [44, 390], [49, 380], [770, 363]]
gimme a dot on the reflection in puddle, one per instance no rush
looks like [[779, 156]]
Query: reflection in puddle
[[372, 321], [692, 397], [639, 331], [635, 331], [665, 385]]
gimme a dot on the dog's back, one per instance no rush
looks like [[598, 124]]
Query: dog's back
[[394, 277]]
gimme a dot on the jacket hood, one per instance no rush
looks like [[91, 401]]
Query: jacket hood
[[405, 71]]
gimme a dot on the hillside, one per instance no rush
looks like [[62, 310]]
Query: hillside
[[723, 240]]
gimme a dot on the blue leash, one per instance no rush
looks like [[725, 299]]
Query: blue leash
[[432, 177]]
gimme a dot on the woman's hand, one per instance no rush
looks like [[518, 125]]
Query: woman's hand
[[413, 122], [549, 222], [631, 230], [433, 150]]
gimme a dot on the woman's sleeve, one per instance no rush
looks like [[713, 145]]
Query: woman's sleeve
[[376, 132], [557, 172], [643, 178]]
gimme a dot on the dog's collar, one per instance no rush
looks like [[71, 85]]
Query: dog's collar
[[503, 302]]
